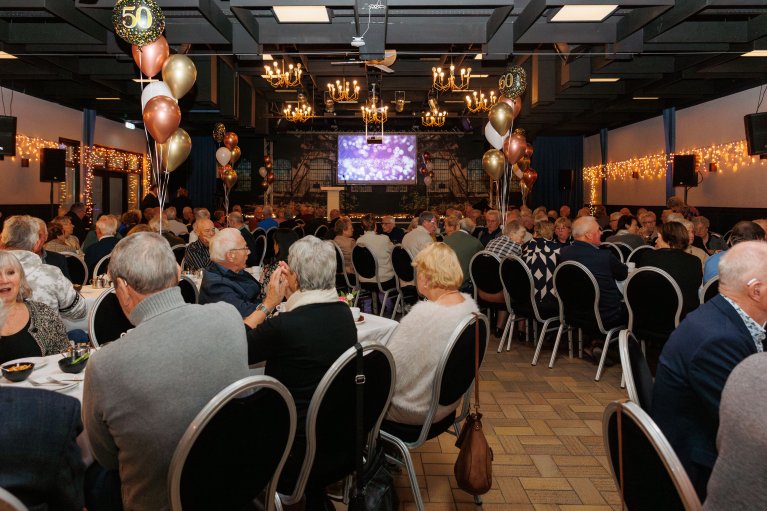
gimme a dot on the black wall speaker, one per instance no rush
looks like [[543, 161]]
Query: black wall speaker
[[566, 179], [7, 135], [756, 133], [684, 170], [52, 166]]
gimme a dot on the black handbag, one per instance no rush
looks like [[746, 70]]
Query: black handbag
[[374, 483]]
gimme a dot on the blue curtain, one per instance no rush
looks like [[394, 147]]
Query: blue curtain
[[550, 155], [603, 148], [669, 137], [202, 172]]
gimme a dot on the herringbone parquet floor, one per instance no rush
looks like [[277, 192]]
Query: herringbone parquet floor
[[545, 428]]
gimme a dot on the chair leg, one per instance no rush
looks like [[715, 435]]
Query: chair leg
[[408, 462], [513, 318], [580, 343], [539, 344], [397, 303], [478, 500], [556, 345], [601, 367], [570, 342], [505, 332], [535, 330]]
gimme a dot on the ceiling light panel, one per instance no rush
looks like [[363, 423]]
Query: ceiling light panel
[[301, 13], [753, 53], [606, 79], [583, 13], [4, 55]]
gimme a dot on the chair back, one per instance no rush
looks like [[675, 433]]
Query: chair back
[[636, 371], [299, 231], [625, 249], [189, 290], [365, 264], [179, 251], [269, 250], [578, 296], [258, 231], [342, 278], [102, 266], [484, 272], [331, 417], [78, 270], [518, 286], [9, 502], [654, 303], [235, 448], [652, 475], [107, 321], [321, 231], [260, 249], [612, 247], [710, 289], [402, 263], [636, 254]]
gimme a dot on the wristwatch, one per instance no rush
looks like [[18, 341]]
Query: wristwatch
[[263, 308]]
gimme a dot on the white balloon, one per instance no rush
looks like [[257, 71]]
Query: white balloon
[[262, 172], [493, 137], [223, 155], [429, 166], [427, 180], [154, 89]]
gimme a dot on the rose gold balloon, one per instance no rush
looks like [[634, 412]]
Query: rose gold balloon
[[523, 163], [161, 118], [236, 153], [529, 150], [264, 185], [268, 165], [514, 103], [229, 176], [514, 147], [493, 163], [267, 159], [151, 57], [270, 177], [230, 140], [530, 177]]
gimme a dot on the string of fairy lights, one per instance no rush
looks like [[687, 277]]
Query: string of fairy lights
[[730, 156]]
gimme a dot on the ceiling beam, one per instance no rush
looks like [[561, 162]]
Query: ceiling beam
[[673, 17], [248, 22], [216, 17], [495, 21], [528, 17], [638, 18], [757, 27], [67, 12]]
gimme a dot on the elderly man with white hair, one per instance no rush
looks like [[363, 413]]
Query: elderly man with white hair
[[174, 225], [106, 227], [225, 279], [167, 232], [235, 220], [702, 352]]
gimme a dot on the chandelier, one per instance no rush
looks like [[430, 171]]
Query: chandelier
[[480, 103], [302, 113], [344, 93], [442, 84], [372, 113], [283, 79], [434, 119]]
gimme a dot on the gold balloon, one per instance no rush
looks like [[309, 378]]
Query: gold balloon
[[218, 132], [138, 22], [493, 163], [229, 177], [501, 116], [513, 82], [264, 185], [525, 190], [236, 153], [514, 103], [175, 150], [179, 74]]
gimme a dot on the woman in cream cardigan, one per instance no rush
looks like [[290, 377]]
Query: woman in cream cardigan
[[421, 338]]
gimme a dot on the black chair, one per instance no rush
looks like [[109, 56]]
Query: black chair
[[179, 251], [78, 270], [189, 290], [269, 251], [235, 448], [612, 247], [344, 281], [625, 249], [654, 303], [321, 231], [636, 371], [710, 289], [403, 269], [578, 295], [102, 266], [299, 231], [453, 380], [260, 249], [107, 321], [258, 231], [484, 271], [643, 463], [329, 453], [9, 502], [366, 266], [636, 254]]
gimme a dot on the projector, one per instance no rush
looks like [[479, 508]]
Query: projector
[[358, 42]]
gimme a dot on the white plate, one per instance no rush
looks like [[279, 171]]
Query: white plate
[[38, 361], [361, 320]]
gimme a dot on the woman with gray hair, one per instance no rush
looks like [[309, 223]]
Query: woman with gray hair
[[30, 329], [301, 343]]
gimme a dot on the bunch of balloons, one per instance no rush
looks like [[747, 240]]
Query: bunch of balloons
[[227, 156], [427, 168], [266, 172]]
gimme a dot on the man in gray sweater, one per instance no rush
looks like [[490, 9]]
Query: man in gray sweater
[[142, 391]]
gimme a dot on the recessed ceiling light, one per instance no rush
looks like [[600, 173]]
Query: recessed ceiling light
[[108, 99], [645, 98], [4, 55], [604, 80], [283, 91], [462, 101], [130, 125], [266, 56], [478, 56], [301, 13], [478, 76], [583, 13], [755, 53], [145, 80]]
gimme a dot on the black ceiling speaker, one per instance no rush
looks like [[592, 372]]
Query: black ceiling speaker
[[684, 170], [756, 133], [7, 135], [52, 165]]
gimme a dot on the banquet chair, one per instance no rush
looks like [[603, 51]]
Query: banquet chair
[[258, 231], [709, 290], [179, 251], [78, 270], [269, 250], [189, 290], [107, 321], [578, 296], [645, 467], [453, 380], [636, 254], [102, 266], [299, 230], [230, 454], [654, 303], [321, 231], [403, 268], [625, 249], [366, 266], [519, 289], [260, 249], [636, 372], [9, 502], [484, 271], [343, 281], [612, 247], [330, 427]]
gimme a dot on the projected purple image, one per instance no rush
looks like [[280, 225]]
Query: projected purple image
[[394, 161]]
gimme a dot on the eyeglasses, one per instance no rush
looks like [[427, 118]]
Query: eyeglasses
[[752, 282], [238, 249]]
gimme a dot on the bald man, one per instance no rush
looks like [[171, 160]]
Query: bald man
[[702, 352], [197, 256]]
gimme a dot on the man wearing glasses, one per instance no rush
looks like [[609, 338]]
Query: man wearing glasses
[[420, 237], [225, 279], [702, 352], [493, 222], [390, 229]]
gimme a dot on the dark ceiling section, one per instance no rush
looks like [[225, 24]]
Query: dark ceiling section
[[682, 52]]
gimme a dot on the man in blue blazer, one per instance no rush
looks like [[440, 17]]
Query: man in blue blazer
[[702, 352], [106, 227]]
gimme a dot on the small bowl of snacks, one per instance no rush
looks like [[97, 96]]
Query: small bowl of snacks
[[74, 364], [18, 371]]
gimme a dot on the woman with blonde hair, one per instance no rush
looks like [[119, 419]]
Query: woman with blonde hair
[[421, 337]]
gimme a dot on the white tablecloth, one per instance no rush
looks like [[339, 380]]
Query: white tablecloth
[[50, 367], [90, 294], [375, 329]]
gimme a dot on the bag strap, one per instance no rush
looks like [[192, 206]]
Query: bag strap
[[620, 451], [359, 381], [476, 362]]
